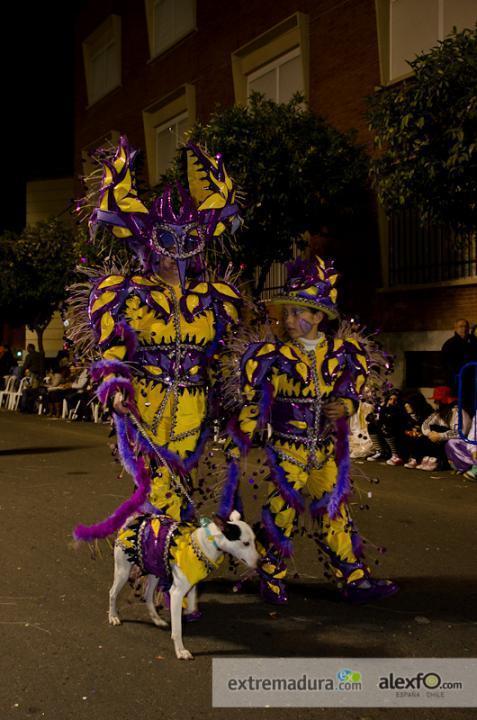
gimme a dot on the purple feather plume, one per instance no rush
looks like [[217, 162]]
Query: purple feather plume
[[342, 487], [121, 514], [229, 492], [282, 544], [265, 402], [287, 491], [106, 367], [192, 460], [127, 334], [241, 440], [113, 385]]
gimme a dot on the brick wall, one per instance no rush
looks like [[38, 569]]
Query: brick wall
[[426, 309], [343, 61]]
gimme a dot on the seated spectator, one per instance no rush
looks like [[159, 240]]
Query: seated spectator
[[66, 389], [462, 455], [416, 410], [80, 400], [360, 443], [437, 429], [385, 428]]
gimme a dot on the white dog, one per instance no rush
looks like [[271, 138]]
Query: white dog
[[177, 556]]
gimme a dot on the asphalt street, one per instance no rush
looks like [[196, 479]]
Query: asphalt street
[[61, 660]]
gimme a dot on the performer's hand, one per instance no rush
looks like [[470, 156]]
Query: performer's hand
[[334, 410], [434, 436], [119, 404]]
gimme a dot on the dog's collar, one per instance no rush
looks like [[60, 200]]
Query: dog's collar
[[205, 522]]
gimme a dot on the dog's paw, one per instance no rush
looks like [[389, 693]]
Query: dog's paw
[[114, 620], [184, 655], [159, 622]]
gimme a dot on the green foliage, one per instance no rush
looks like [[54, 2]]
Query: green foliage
[[35, 268], [426, 136], [296, 172]]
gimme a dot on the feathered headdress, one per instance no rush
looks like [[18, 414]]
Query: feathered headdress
[[204, 209]]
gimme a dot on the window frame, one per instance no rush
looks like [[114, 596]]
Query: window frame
[[154, 51], [107, 34], [292, 33], [161, 112], [274, 64]]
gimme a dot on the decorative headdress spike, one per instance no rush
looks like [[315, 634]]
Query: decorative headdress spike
[[310, 284]]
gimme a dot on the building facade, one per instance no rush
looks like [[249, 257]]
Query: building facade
[[151, 69]]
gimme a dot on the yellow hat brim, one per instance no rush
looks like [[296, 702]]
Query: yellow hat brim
[[287, 300]]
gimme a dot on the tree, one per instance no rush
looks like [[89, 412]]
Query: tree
[[296, 173], [425, 133], [35, 268]]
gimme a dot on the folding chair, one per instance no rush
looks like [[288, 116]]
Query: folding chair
[[8, 391]]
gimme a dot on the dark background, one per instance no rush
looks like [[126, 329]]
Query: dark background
[[37, 57]]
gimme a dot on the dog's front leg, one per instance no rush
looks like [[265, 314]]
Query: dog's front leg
[[179, 589]]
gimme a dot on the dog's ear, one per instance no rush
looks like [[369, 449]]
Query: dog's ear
[[234, 516], [231, 531]]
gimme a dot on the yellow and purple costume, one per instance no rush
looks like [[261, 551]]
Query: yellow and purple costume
[[158, 341], [286, 386]]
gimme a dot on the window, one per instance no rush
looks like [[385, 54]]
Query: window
[[102, 59], [275, 63], [279, 80], [168, 137], [407, 28], [168, 22], [165, 124]]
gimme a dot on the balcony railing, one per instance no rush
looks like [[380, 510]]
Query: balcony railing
[[427, 254]]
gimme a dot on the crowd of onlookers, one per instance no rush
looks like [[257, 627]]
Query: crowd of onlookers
[[56, 387], [404, 428], [401, 428]]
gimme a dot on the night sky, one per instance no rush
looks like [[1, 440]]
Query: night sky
[[37, 59]]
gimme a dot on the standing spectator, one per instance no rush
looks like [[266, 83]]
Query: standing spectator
[[458, 350], [7, 362], [33, 366]]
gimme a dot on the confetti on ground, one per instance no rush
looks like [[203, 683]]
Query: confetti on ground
[[422, 620]]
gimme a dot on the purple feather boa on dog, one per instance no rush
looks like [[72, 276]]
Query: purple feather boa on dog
[[278, 477], [283, 544], [343, 485]]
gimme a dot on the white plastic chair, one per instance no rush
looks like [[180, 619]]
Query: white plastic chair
[[15, 396], [8, 391]]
